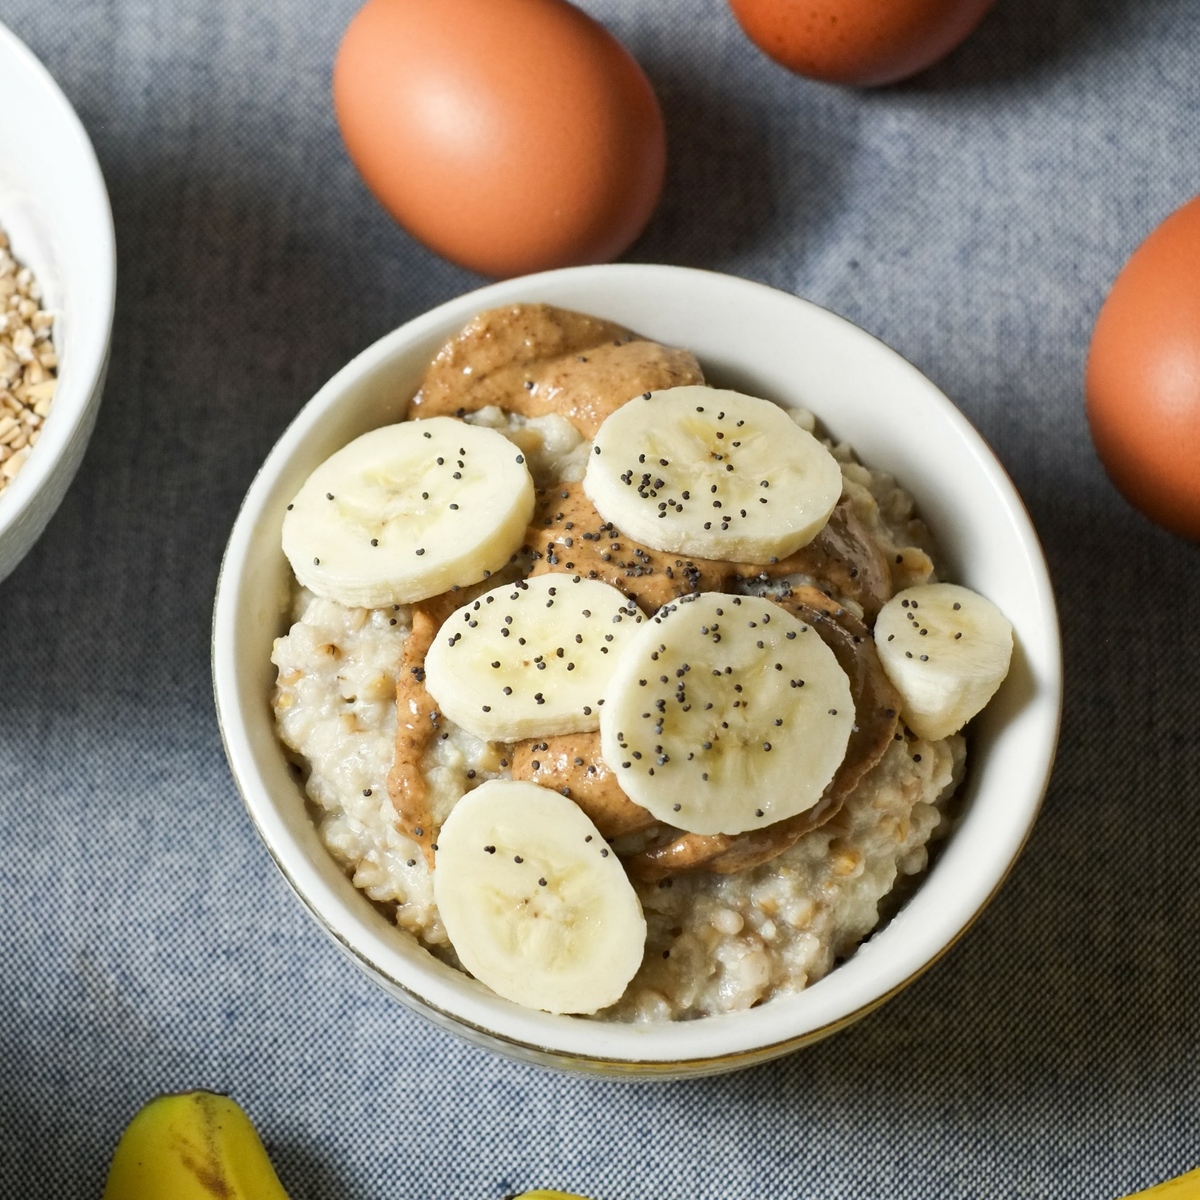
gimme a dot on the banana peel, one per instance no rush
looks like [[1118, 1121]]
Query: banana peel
[[202, 1146], [192, 1146], [1183, 1187], [542, 1194]]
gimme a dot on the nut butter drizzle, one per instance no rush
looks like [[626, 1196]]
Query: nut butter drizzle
[[876, 704], [568, 535], [531, 359], [417, 723], [534, 359], [571, 764]]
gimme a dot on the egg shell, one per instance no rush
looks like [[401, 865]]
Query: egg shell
[[509, 136], [859, 42], [1143, 376]]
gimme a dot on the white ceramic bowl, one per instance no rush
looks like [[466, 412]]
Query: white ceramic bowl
[[769, 344], [54, 207]]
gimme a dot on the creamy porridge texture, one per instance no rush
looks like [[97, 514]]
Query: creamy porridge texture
[[732, 919]]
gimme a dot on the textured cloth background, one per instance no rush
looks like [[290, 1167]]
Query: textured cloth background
[[973, 219]]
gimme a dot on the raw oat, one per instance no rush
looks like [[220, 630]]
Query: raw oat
[[28, 363]]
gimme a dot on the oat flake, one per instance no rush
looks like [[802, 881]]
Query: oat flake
[[28, 364]]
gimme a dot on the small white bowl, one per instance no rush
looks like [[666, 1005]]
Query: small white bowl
[[54, 207], [770, 344]]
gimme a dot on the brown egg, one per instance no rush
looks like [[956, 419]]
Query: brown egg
[[860, 42], [1143, 376], [508, 135]]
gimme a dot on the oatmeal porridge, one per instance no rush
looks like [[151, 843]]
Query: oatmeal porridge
[[736, 894]]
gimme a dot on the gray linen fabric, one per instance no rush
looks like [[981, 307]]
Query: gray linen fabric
[[973, 219]]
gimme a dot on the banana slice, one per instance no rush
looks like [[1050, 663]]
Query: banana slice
[[694, 470], [536, 905], [727, 713], [407, 511], [532, 658], [946, 649]]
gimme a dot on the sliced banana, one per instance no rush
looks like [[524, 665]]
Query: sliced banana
[[532, 658], [727, 713], [946, 649], [536, 905], [693, 470], [407, 511]]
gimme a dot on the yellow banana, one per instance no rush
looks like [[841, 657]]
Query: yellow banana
[[1184, 1187], [542, 1194], [197, 1145], [191, 1146]]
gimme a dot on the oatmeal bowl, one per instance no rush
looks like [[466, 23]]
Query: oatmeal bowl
[[57, 290], [637, 670]]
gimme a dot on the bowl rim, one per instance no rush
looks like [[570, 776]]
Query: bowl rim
[[710, 1043], [91, 332]]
